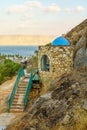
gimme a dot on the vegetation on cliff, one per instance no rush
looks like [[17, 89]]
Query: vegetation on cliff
[[8, 69]]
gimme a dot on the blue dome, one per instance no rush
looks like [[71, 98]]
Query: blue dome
[[60, 41]]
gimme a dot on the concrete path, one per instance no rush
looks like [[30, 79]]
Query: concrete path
[[5, 89], [6, 119]]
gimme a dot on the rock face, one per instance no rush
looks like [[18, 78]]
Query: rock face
[[80, 58], [85, 105], [78, 38], [65, 106]]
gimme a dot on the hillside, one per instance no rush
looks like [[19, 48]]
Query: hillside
[[77, 33], [64, 106], [78, 39]]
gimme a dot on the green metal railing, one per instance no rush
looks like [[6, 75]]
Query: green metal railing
[[20, 74], [27, 91]]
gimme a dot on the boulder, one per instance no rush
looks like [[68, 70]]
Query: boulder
[[85, 105], [80, 58], [76, 92], [66, 120]]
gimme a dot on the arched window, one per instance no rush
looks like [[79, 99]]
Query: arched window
[[45, 63]]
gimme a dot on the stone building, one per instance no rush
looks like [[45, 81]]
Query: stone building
[[55, 59]]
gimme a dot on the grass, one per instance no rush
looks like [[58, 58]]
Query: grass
[[82, 120]]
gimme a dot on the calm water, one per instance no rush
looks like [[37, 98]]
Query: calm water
[[21, 50]]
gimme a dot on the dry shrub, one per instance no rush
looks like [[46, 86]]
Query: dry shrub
[[80, 122]]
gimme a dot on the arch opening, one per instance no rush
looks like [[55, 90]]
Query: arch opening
[[45, 63]]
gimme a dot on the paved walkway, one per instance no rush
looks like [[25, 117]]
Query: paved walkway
[[5, 89], [6, 118]]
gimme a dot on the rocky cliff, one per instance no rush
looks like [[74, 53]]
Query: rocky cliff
[[64, 107], [78, 39]]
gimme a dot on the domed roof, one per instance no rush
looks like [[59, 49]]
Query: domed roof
[[60, 41]]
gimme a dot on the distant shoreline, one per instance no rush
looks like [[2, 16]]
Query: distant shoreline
[[24, 40], [24, 51]]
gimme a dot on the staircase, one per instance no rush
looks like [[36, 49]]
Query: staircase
[[18, 102], [20, 94]]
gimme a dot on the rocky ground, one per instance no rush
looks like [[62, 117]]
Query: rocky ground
[[63, 108], [78, 39]]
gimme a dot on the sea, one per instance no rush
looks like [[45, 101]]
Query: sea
[[24, 51]]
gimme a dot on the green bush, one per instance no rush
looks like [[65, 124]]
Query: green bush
[[8, 69]]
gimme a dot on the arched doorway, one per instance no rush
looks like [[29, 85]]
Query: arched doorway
[[45, 63]]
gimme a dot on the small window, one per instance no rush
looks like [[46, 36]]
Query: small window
[[45, 65]]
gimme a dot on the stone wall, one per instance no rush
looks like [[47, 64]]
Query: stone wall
[[61, 61]]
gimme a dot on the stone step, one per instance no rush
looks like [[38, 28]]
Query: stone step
[[16, 99], [21, 105], [22, 86], [19, 91], [14, 104], [17, 107], [22, 82], [16, 110], [20, 94]]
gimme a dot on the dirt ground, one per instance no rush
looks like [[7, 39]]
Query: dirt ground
[[6, 88], [5, 117]]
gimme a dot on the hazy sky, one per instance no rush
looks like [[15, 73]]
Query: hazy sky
[[41, 17]]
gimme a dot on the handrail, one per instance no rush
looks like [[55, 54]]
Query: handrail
[[20, 74], [27, 91]]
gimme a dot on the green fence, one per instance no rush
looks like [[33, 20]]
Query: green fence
[[27, 91], [20, 74]]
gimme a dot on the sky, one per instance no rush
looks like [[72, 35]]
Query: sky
[[40, 17]]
